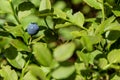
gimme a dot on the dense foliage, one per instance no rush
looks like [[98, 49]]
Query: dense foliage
[[59, 40]]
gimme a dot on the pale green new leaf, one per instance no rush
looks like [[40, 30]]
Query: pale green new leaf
[[8, 74], [64, 51]]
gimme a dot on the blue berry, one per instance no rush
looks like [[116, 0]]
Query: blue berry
[[32, 28]]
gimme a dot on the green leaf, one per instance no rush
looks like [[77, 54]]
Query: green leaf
[[23, 14], [103, 63], [29, 76], [88, 57], [94, 3], [100, 29], [45, 5], [113, 26], [115, 77], [42, 54], [83, 57], [14, 58], [58, 73], [77, 19], [36, 2], [79, 33], [63, 32], [19, 45], [66, 24], [113, 35], [116, 13], [15, 31], [8, 74], [60, 14], [92, 55], [64, 51], [79, 67], [60, 5], [5, 6], [87, 43], [37, 72], [4, 42], [114, 56]]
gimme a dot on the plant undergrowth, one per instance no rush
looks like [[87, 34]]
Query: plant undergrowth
[[77, 40]]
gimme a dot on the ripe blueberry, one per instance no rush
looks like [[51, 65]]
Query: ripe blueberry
[[32, 28]]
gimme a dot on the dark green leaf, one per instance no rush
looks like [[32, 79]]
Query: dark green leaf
[[25, 6], [15, 58]]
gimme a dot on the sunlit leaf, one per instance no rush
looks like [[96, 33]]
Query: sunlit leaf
[[5, 6], [36, 72], [45, 5], [94, 3], [103, 63], [4, 42], [114, 56], [29, 76], [64, 52], [59, 13], [8, 74], [14, 30], [58, 73], [77, 19], [103, 25], [42, 54], [19, 45], [116, 13]]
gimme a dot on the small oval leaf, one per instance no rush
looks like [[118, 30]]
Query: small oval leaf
[[42, 54], [64, 52], [114, 56], [63, 72]]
